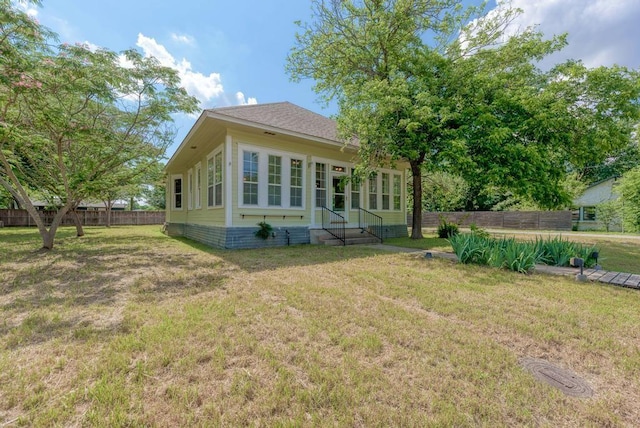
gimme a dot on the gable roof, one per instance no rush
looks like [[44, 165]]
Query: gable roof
[[283, 116]]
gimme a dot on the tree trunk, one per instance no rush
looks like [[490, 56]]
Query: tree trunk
[[416, 222], [77, 223], [47, 239], [18, 191], [49, 235], [108, 205]]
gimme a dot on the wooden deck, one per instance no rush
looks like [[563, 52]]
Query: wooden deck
[[614, 278]]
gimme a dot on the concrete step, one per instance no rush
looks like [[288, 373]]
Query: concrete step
[[367, 239], [353, 236]]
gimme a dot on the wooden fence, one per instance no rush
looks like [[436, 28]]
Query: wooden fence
[[523, 220], [87, 218]]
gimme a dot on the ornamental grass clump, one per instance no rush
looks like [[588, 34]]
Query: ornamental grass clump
[[518, 256], [472, 248], [558, 252]]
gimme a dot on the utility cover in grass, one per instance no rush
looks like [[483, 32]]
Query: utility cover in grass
[[565, 380]]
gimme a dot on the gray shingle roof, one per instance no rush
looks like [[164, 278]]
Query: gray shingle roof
[[284, 116]]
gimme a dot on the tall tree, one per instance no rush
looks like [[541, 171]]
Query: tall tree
[[429, 82], [81, 118], [448, 191], [629, 190]]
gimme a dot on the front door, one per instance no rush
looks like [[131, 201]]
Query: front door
[[339, 194]]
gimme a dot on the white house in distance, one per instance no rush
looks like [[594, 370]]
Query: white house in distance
[[584, 214], [280, 164]]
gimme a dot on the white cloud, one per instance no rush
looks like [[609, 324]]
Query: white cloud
[[600, 32], [28, 8], [203, 87], [243, 102], [183, 38]]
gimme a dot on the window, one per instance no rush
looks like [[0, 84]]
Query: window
[[397, 192], [355, 191], [575, 215], [217, 180], [295, 194], [321, 185], [270, 179], [373, 192], [275, 181], [198, 186], [177, 192], [589, 213], [189, 189], [210, 171], [385, 191], [214, 180], [250, 178]]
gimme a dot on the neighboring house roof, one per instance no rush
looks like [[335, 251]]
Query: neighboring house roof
[[597, 193], [98, 205], [595, 183], [284, 116]]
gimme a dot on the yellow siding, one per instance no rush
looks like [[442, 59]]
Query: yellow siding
[[309, 151]]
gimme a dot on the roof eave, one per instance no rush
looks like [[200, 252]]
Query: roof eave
[[192, 131], [277, 130]]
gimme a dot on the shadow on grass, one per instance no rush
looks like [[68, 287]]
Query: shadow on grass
[[78, 289], [271, 258], [81, 287]]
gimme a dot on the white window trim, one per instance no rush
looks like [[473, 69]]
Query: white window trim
[[329, 163], [190, 189], [212, 156], [263, 177], [174, 177], [391, 193], [198, 181], [360, 191]]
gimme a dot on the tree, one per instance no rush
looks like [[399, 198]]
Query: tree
[[447, 192], [154, 188], [422, 82], [608, 213], [629, 190], [614, 166], [79, 121]]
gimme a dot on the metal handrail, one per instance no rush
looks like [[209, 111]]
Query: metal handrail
[[334, 223], [370, 223]]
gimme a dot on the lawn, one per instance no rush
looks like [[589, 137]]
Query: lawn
[[618, 253], [129, 327]]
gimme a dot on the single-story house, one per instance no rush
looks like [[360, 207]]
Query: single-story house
[[584, 213], [279, 164]]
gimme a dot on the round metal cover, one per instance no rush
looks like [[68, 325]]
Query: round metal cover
[[565, 380]]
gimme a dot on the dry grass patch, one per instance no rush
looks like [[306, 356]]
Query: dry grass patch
[[129, 327]]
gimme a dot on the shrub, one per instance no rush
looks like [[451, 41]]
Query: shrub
[[447, 229], [264, 230], [518, 256]]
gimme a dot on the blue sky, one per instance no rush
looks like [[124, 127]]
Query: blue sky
[[233, 52]]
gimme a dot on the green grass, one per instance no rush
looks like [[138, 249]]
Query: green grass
[[618, 253], [429, 242], [129, 327]]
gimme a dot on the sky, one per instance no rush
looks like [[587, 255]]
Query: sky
[[232, 52]]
